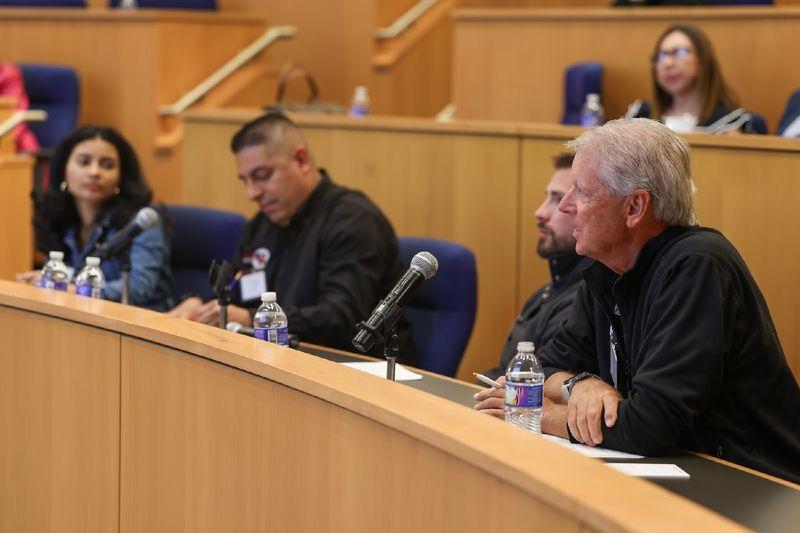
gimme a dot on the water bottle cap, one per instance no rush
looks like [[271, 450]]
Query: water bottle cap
[[593, 97], [92, 261], [525, 346], [57, 255], [269, 297], [361, 92]]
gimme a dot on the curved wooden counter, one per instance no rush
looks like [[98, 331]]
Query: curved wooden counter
[[120, 419]]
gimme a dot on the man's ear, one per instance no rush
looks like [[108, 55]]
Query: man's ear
[[302, 157], [636, 207]]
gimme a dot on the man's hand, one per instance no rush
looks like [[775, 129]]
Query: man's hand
[[492, 400], [589, 399], [208, 313], [32, 277]]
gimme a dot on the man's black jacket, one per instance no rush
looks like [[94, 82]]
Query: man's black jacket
[[701, 366]]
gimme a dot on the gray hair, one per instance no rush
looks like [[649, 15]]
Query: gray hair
[[639, 153]]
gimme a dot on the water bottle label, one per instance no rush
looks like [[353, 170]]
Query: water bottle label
[[519, 395], [50, 284], [91, 292], [275, 335]]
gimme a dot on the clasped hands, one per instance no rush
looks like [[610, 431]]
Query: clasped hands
[[590, 400]]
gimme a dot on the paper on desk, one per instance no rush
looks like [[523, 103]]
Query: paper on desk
[[378, 368], [588, 451], [650, 470]]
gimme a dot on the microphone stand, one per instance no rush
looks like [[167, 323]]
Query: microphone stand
[[389, 338], [125, 259], [390, 349]]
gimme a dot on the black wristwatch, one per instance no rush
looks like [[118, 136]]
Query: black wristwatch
[[566, 388]]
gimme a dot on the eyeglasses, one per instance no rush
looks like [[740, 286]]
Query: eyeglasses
[[677, 53]]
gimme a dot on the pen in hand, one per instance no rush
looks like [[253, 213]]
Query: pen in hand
[[487, 381]]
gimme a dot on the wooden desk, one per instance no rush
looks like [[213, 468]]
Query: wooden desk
[[479, 183], [509, 64], [121, 419], [130, 62]]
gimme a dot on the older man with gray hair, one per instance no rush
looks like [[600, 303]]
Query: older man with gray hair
[[669, 342]]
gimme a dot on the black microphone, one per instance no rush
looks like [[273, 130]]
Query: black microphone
[[145, 218], [236, 327], [387, 312]]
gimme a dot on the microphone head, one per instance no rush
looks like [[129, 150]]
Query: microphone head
[[425, 264], [146, 218]]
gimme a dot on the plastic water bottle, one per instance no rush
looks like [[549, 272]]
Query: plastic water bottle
[[55, 274], [269, 322], [359, 105], [90, 281], [524, 384], [592, 111]]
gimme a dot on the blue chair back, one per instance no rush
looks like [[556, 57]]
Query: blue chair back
[[206, 5], [442, 311], [201, 235], [55, 89], [580, 79], [790, 113], [42, 3], [757, 124]]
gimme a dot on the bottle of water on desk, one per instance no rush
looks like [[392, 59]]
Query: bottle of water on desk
[[524, 384], [90, 281], [592, 111], [269, 322], [359, 105], [55, 274]]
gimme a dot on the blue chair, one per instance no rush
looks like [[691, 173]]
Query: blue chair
[[42, 3], [204, 5], [580, 79], [442, 311], [790, 113], [201, 235], [55, 89]]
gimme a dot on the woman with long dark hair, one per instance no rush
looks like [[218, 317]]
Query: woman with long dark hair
[[96, 187], [689, 89]]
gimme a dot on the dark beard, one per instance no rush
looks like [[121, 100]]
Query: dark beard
[[558, 246]]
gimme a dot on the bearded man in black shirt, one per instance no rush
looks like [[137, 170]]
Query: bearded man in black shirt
[[549, 306], [328, 251]]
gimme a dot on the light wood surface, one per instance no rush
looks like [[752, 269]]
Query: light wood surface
[[509, 64], [129, 62], [479, 183], [221, 432], [59, 413]]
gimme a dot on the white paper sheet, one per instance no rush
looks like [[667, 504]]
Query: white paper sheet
[[650, 470], [378, 368], [596, 452]]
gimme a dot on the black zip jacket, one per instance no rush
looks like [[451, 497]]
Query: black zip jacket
[[330, 266], [546, 309], [699, 361]]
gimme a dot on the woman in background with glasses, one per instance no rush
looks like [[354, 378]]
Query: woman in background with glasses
[[689, 89]]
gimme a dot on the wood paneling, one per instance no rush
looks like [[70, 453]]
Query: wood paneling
[[16, 233], [129, 63], [59, 413], [480, 183], [222, 432], [509, 64]]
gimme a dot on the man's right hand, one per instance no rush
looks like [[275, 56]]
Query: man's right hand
[[492, 400]]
